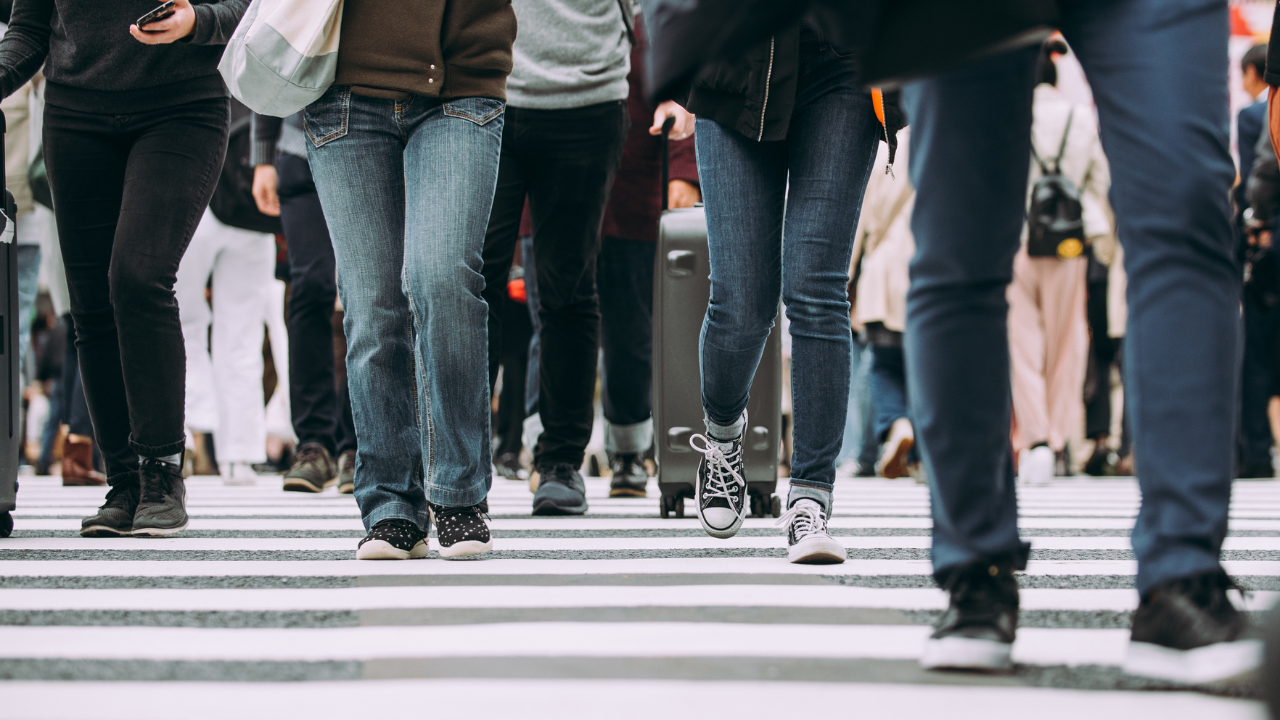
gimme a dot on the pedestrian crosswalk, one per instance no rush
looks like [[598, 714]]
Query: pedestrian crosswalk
[[260, 610]]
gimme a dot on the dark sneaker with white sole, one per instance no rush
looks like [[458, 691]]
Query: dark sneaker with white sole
[[561, 491], [393, 539], [312, 471], [462, 531], [115, 517], [1188, 631], [630, 476], [721, 492], [347, 472], [163, 496], [978, 629], [808, 541]]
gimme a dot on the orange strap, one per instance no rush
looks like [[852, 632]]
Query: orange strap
[[877, 100]]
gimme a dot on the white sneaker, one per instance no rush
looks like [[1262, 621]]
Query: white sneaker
[[238, 473], [1035, 466], [721, 492], [807, 538], [897, 448]]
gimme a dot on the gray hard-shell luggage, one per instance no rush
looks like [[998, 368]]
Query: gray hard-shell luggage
[[10, 386], [681, 289]]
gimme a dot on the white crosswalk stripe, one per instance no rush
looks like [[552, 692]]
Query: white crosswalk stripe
[[617, 614]]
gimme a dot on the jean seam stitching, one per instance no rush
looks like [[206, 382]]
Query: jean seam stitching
[[420, 374]]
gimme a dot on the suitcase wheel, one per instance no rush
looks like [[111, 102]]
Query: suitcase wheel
[[6, 525], [679, 506], [671, 505], [775, 506]]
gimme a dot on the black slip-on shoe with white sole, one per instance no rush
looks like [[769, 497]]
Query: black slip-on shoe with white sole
[[162, 499], [978, 629], [115, 517], [721, 489], [462, 531], [808, 541], [1188, 631], [393, 539]]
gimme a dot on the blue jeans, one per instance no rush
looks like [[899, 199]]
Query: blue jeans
[[856, 415], [1158, 73], [888, 388], [28, 276], [807, 189], [406, 188]]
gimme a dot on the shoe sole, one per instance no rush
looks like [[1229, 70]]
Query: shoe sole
[[627, 492], [717, 533], [238, 483], [547, 508], [1220, 662], [158, 532], [104, 531], [83, 482], [896, 465], [534, 478], [818, 551], [348, 489], [383, 550], [466, 548], [295, 484], [961, 653]]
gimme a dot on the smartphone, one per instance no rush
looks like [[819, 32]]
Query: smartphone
[[160, 12]]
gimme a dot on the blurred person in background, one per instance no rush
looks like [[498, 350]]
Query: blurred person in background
[[284, 186], [135, 129], [625, 272], [884, 246], [565, 125], [224, 394], [1048, 327]]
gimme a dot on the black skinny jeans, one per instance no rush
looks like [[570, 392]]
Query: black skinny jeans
[[564, 161], [128, 192], [320, 414], [626, 329]]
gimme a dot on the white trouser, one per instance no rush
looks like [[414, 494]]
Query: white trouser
[[224, 392]]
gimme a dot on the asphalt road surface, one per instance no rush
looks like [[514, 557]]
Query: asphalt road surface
[[259, 609]]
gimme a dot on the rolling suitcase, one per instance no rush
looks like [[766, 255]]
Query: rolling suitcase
[[681, 288], [10, 386]]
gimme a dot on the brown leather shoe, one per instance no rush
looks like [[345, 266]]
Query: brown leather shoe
[[77, 462]]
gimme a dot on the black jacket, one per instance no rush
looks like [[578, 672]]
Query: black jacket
[[756, 94]]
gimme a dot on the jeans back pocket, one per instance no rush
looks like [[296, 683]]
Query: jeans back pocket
[[479, 110], [328, 118]]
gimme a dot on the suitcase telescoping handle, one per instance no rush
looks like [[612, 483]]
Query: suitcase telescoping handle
[[667, 124]]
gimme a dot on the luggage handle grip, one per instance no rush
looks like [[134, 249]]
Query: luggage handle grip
[[667, 124]]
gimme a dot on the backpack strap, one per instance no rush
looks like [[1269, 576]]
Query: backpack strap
[[1062, 149]]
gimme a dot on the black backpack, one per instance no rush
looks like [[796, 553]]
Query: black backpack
[[232, 201], [1055, 223]]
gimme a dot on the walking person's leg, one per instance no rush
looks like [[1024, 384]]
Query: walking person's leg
[[451, 169], [1028, 361], [1066, 331], [313, 289], [1158, 73], [892, 423], [502, 233], [572, 157], [201, 408], [969, 123], [159, 174], [626, 338], [241, 280], [357, 158]]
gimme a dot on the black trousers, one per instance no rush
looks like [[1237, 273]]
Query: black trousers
[[564, 162], [320, 413], [128, 192], [626, 329]]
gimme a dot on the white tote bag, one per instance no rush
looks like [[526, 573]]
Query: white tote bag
[[283, 55]]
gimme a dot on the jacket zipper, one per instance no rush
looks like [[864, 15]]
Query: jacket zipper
[[768, 77]]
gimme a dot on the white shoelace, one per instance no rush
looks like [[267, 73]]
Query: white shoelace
[[722, 480], [808, 517]]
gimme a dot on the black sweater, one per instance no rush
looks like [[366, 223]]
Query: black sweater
[[95, 65]]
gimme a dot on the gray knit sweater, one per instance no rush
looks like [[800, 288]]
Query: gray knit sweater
[[568, 54]]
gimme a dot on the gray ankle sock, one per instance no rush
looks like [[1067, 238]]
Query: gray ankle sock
[[174, 459], [726, 433]]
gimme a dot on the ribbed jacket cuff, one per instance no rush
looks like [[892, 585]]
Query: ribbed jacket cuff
[[262, 152]]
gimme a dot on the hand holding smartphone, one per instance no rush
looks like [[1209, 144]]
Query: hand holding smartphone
[[161, 11]]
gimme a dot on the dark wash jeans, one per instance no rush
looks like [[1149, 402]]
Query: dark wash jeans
[[780, 223], [128, 192], [1158, 73], [406, 187], [564, 161], [319, 412]]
